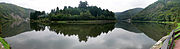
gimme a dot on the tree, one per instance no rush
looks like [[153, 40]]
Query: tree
[[83, 4], [86, 15], [35, 15], [65, 7], [83, 12], [57, 9], [53, 11]]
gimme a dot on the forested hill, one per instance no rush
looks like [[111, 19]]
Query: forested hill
[[82, 12], [162, 10], [127, 14], [13, 12]]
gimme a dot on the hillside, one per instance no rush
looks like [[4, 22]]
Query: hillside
[[162, 10], [13, 12], [127, 14]]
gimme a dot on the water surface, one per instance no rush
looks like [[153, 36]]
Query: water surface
[[121, 35]]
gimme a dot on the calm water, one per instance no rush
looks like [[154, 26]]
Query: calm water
[[121, 35]]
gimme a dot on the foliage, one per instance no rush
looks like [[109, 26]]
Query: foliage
[[37, 14], [162, 10], [82, 12], [83, 4], [4, 43]]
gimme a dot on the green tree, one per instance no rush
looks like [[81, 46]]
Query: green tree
[[83, 4], [36, 15]]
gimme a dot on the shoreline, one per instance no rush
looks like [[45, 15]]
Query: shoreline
[[168, 22], [78, 21]]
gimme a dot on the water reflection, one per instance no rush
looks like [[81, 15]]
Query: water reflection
[[127, 26], [10, 28], [116, 39], [155, 30], [82, 30], [121, 35]]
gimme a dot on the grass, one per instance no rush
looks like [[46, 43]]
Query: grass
[[177, 30], [178, 26], [4, 43]]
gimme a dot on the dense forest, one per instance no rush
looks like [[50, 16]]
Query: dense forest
[[162, 10], [82, 12]]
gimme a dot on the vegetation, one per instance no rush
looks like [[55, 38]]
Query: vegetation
[[36, 15], [128, 14], [82, 12], [4, 43], [13, 12], [162, 10]]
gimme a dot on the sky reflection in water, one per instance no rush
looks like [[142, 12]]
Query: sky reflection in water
[[116, 39]]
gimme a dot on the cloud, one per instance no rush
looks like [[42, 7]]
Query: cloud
[[113, 5]]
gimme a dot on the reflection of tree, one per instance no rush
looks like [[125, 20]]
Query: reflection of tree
[[37, 26], [82, 30], [154, 30], [127, 26], [11, 28]]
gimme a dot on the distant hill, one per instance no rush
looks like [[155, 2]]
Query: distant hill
[[13, 12], [127, 14], [162, 10]]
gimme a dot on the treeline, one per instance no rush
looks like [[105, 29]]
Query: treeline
[[82, 12]]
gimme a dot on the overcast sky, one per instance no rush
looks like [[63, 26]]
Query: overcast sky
[[112, 5]]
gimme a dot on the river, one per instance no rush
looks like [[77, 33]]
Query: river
[[120, 35]]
